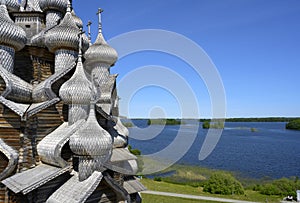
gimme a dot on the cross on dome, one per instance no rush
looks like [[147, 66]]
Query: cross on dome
[[100, 19]]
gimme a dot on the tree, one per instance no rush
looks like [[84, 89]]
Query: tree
[[223, 183], [206, 125], [293, 125]]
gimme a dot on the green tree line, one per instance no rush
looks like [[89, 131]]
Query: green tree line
[[266, 119]]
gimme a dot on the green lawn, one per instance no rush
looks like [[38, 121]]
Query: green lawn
[[161, 199], [186, 189]]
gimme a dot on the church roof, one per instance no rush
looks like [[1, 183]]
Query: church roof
[[50, 148], [74, 191], [128, 167], [121, 154], [133, 185], [31, 179], [12, 156]]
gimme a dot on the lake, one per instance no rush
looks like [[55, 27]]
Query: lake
[[271, 151]]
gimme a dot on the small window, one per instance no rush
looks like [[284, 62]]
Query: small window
[[27, 26]]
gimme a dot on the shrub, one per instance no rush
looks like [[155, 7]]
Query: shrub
[[282, 187], [158, 179], [223, 183]]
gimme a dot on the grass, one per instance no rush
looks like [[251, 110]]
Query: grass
[[186, 189], [188, 175], [189, 179], [162, 199]]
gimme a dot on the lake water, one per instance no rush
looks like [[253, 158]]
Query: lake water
[[272, 151]]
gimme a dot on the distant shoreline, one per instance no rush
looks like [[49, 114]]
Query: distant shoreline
[[260, 119], [266, 119]]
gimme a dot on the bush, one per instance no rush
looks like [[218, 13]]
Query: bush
[[282, 187], [158, 179], [223, 183], [293, 125], [134, 151]]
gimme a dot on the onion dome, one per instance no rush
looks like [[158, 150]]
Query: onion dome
[[76, 19], [100, 51], [91, 139], [77, 90], [12, 5], [59, 5], [11, 34], [65, 35]]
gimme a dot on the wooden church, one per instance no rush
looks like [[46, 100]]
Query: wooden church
[[61, 138]]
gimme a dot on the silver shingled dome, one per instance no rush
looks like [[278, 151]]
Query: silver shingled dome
[[65, 35], [77, 90], [10, 34], [76, 19], [59, 5], [91, 139], [100, 51]]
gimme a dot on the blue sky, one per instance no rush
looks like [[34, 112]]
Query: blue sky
[[254, 44]]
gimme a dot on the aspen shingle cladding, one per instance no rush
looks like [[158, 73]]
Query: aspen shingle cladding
[[36, 185], [133, 185], [26, 119], [75, 191], [32, 179]]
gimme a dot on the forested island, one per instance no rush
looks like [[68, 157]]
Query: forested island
[[215, 125], [169, 121], [293, 125]]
